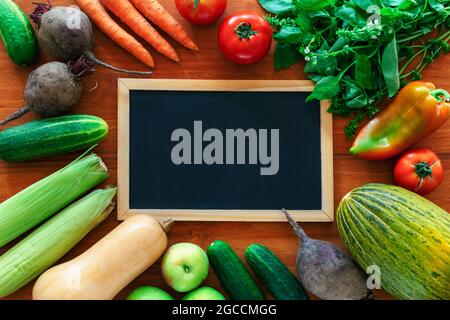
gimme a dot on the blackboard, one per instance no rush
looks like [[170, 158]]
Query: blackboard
[[223, 150]]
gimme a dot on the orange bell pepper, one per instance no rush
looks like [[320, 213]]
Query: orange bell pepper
[[418, 110]]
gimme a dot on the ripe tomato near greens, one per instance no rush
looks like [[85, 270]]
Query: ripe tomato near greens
[[245, 38], [201, 12], [419, 170]]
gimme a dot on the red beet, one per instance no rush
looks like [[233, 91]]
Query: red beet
[[326, 271], [66, 32], [53, 89]]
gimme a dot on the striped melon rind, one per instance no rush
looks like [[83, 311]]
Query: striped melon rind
[[404, 234]]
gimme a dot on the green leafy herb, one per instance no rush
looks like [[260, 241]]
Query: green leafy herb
[[437, 5], [303, 22], [277, 22], [279, 7], [351, 16], [354, 96], [325, 89], [285, 55], [359, 51], [363, 71], [312, 5], [389, 66], [288, 34], [366, 4]]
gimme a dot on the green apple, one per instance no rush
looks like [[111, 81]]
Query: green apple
[[149, 293], [185, 266], [204, 293]]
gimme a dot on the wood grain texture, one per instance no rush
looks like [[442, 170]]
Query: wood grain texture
[[206, 64]]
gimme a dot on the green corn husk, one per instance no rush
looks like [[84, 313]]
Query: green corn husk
[[52, 240], [43, 199]]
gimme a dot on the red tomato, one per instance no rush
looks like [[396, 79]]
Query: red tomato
[[419, 170], [201, 12], [245, 38]]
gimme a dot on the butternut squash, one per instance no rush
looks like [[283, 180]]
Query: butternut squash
[[106, 268]]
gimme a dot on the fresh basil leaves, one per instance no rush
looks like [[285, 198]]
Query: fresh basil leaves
[[389, 66], [358, 51], [285, 55], [312, 5], [279, 7], [288, 34], [326, 88], [363, 71]]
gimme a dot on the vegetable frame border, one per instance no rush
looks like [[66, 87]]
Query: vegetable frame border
[[326, 214]]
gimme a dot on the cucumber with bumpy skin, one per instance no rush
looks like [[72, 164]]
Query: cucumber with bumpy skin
[[17, 34], [232, 273], [274, 274], [52, 136]]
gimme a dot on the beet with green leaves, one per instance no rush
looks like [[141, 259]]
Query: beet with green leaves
[[66, 32], [53, 88], [326, 271]]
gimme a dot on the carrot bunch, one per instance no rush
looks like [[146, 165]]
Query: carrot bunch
[[128, 12]]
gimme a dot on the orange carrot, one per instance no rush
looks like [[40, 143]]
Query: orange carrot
[[104, 22], [129, 15], [156, 13]]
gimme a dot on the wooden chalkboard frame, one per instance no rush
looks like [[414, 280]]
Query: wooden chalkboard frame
[[326, 214]]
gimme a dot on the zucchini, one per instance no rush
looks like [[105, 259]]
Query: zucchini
[[232, 273], [274, 274], [17, 34], [52, 136]]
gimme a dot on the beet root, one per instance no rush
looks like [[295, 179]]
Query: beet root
[[57, 36], [66, 32], [53, 89], [326, 271]]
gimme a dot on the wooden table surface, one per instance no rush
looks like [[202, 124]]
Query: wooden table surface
[[99, 98]]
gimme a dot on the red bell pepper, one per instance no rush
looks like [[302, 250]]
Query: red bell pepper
[[417, 111]]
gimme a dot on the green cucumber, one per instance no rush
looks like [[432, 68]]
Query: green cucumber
[[52, 136], [17, 34], [280, 281], [232, 273]]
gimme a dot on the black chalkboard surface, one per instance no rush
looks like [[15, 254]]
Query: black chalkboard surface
[[202, 153]]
